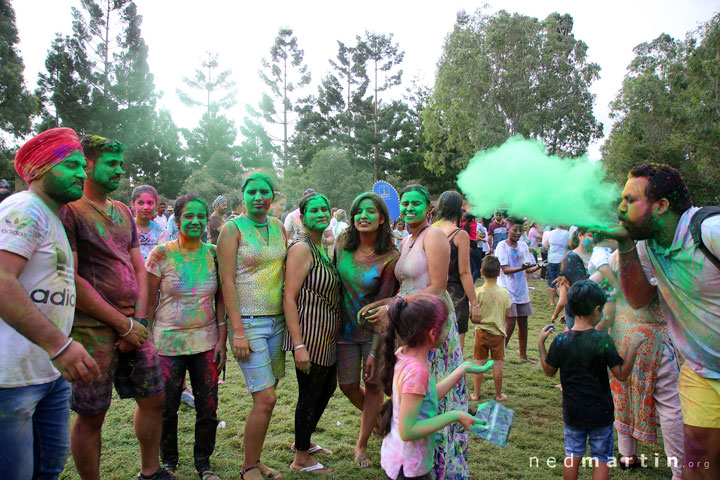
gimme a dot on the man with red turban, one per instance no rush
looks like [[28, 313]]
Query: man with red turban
[[37, 306]]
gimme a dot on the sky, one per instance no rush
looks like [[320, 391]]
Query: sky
[[180, 32]]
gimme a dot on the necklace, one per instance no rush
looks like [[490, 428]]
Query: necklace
[[372, 250], [418, 236]]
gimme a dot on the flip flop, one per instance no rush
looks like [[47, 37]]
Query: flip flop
[[314, 449], [314, 469], [363, 461]]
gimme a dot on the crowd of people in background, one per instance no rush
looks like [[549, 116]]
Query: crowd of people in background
[[95, 293]]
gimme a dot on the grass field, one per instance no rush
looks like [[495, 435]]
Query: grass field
[[537, 430]]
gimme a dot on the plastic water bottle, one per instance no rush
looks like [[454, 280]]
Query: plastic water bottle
[[222, 424]]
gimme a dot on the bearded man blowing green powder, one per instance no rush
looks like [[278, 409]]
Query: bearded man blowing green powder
[[668, 260]]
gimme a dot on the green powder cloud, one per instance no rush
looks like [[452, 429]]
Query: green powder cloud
[[520, 177]]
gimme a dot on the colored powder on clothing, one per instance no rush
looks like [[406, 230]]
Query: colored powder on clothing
[[520, 177]]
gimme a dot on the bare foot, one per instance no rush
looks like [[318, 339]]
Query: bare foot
[[558, 386], [501, 398], [475, 397], [525, 359]]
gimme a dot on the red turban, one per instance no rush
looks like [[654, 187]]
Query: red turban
[[45, 151]]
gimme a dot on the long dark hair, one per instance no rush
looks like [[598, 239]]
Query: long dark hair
[[384, 238], [410, 318], [469, 219], [450, 207]]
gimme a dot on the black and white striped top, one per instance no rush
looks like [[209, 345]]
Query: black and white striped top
[[318, 308]]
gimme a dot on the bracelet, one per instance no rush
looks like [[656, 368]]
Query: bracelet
[[239, 336], [373, 355], [59, 352], [298, 347], [129, 329], [387, 309], [221, 324], [477, 305], [628, 251]]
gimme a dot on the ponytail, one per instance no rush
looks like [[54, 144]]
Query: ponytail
[[412, 321]]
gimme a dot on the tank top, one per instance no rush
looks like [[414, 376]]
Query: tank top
[[453, 272], [259, 267], [318, 305]]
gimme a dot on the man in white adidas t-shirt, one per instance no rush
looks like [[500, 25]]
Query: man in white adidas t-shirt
[[37, 305]]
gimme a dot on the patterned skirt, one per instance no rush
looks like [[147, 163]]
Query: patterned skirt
[[451, 442]]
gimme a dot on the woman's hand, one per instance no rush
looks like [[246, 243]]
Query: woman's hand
[[475, 313], [124, 346], [241, 347], [370, 368], [302, 359], [378, 318], [475, 368], [220, 355]]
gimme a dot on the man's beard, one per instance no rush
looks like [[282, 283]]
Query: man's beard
[[643, 229]]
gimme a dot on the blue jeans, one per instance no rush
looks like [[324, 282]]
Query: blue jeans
[[34, 431]]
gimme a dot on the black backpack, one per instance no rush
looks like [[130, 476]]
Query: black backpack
[[695, 223]]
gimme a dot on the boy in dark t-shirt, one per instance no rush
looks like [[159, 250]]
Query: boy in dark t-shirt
[[583, 356]]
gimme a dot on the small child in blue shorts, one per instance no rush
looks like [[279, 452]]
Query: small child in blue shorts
[[583, 356]]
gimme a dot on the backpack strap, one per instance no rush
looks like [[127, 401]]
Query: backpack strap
[[696, 232]]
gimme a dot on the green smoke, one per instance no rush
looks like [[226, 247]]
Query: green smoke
[[520, 177]]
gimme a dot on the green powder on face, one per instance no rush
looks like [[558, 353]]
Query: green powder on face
[[520, 177]]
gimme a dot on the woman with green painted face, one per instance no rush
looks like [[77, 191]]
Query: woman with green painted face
[[423, 267], [189, 330], [312, 311], [251, 251], [365, 257]]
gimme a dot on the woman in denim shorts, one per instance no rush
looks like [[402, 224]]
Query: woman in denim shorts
[[251, 252], [365, 257]]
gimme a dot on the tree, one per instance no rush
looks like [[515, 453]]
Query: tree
[[17, 105], [383, 56], [208, 81], [668, 111], [98, 81], [214, 134], [502, 75], [283, 73]]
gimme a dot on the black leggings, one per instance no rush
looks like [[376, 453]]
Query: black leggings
[[314, 392]]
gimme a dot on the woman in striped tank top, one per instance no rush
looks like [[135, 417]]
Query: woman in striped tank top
[[312, 313], [251, 252]]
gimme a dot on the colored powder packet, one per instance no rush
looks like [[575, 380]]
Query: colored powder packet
[[496, 422]]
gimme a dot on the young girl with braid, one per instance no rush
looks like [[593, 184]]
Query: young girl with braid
[[409, 419]]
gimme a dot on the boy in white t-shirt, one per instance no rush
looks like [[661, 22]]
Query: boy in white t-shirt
[[516, 261], [37, 306]]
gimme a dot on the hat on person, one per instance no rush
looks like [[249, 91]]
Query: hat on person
[[43, 152], [219, 201]]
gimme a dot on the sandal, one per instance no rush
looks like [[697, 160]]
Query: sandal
[[629, 466], [271, 474], [244, 471], [314, 449], [363, 461], [209, 475]]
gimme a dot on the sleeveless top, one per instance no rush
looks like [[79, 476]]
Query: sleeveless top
[[411, 268], [259, 268], [318, 305], [453, 272]]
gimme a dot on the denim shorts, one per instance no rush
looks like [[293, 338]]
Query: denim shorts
[[351, 358], [267, 362], [553, 272], [601, 442]]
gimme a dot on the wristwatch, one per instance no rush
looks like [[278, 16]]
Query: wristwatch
[[141, 321]]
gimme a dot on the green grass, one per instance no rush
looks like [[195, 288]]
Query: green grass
[[537, 430]]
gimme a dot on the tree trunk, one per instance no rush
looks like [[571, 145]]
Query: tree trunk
[[375, 166]]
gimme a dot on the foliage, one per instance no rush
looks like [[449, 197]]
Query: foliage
[[502, 75], [283, 73], [17, 105], [330, 173], [668, 111]]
